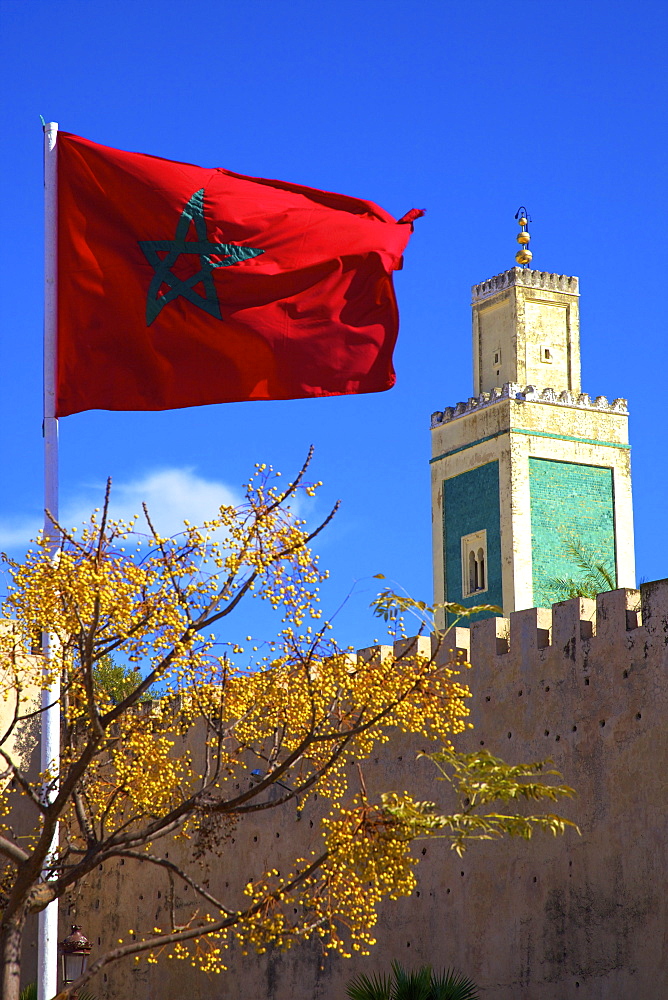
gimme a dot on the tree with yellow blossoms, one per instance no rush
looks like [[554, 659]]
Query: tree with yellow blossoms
[[228, 738]]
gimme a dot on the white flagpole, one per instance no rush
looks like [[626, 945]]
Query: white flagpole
[[47, 970]]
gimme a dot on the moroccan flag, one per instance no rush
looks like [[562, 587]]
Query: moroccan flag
[[180, 285]]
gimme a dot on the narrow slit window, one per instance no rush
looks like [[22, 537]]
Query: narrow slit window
[[473, 574], [480, 562]]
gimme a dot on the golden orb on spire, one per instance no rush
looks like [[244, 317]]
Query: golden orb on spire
[[523, 255]]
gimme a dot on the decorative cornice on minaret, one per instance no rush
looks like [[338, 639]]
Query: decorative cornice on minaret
[[529, 393], [528, 279]]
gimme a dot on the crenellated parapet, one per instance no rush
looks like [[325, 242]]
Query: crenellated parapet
[[529, 393], [527, 278], [572, 631]]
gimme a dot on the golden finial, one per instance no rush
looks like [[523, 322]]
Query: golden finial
[[523, 255]]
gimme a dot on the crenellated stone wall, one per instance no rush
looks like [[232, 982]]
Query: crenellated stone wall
[[580, 916]]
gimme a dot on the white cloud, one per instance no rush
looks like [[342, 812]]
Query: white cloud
[[16, 532], [171, 495]]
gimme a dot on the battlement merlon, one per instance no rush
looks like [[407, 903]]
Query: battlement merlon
[[566, 630], [526, 278]]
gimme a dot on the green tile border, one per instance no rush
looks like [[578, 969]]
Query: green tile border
[[522, 430]]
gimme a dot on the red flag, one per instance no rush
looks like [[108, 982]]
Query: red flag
[[180, 285]]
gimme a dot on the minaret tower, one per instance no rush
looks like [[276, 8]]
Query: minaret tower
[[530, 465]]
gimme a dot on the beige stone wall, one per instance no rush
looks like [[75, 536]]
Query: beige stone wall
[[573, 917], [22, 745]]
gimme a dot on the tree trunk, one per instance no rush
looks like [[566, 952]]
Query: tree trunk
[[11, 933]]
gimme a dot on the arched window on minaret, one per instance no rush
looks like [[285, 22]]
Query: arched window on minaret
[[474, 563]]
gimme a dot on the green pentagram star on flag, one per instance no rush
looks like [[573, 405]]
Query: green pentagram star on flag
[[205, 250]]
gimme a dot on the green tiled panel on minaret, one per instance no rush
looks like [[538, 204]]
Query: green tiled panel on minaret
[[569, 503], [471, 503]]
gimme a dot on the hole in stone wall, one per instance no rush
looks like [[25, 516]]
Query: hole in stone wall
[[447, 891], [488, 698], [408, 944], [557, 738], [462, 874], [575, 729], [519, 694], [625, 673], [547, 688], [535, 878], [482, 743], [602, 723], [424, 851], [638, 715], [509, 735], [586, 681], [547, 732]]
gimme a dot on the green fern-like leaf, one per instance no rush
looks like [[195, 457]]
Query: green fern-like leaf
[[414, 985], [418, 984], [374, 987], [452, 985]]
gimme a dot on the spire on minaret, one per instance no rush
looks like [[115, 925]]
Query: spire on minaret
[[523, 255]]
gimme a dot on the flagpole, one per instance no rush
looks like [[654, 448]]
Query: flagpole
[[47, 971]]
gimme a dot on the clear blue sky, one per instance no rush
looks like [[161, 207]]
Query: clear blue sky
[[467, 110]]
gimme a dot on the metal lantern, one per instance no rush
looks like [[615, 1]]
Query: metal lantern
[[74, 952]]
